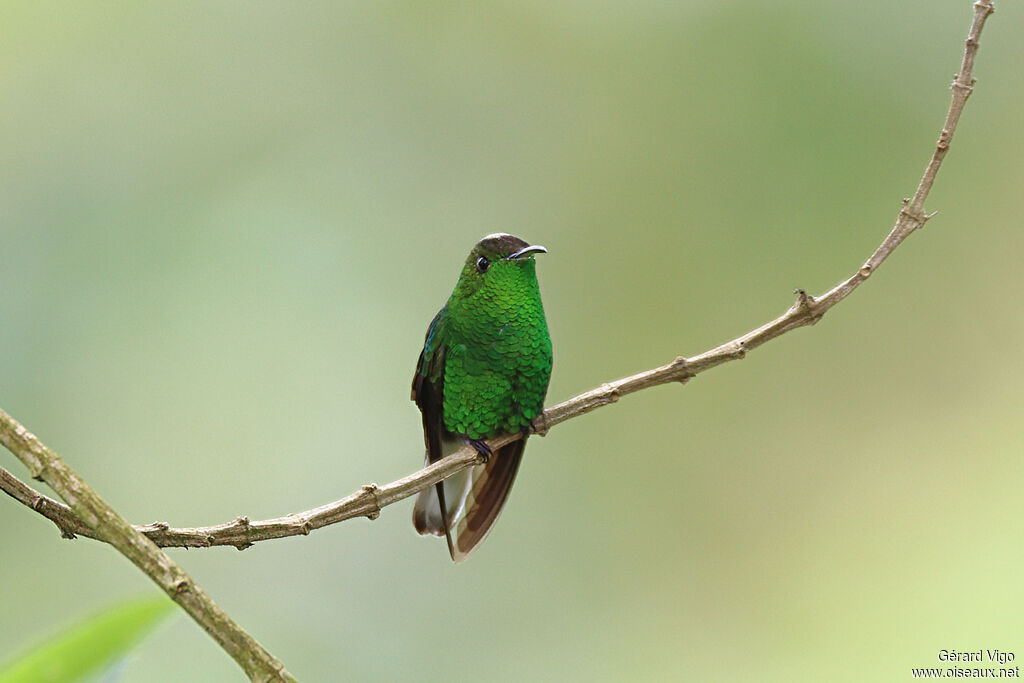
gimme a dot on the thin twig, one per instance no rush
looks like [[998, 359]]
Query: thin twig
[[108, 526], [60, 514], [368, 501]]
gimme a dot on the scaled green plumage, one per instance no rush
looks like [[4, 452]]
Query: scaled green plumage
[[483, 371]]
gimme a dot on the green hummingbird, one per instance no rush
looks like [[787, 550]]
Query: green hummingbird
[[483, 371]]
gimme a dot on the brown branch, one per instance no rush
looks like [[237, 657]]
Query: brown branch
[[60, 514], [368, 501], [108, 526], [241, 533]]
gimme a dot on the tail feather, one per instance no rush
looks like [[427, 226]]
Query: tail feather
[[490, 486], [426, 513]]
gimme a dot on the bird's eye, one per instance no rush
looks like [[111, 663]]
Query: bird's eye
[[482, 264]]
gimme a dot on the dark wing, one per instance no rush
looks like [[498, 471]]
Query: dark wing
[[428, 393], [491, 485]]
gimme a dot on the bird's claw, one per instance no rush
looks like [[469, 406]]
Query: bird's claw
[[482, 449]]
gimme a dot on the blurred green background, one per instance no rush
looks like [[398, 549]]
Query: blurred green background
[[226, 226]]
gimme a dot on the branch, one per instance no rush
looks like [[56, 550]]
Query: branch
[[241, 533], [95, 514], [60, 514], [368, 501]]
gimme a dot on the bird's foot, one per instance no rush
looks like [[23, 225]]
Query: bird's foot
[[482, 449]]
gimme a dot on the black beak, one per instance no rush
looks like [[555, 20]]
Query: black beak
[[526, 251]]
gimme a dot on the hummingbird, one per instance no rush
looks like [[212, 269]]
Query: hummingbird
[[483, 372]]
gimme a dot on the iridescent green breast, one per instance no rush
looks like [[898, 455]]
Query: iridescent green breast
[[498, 356]]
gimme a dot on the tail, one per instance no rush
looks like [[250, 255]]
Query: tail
[[427, 516], [473, 499], [491, 484]]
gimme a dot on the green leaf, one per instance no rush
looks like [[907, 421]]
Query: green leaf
[[86, 648]]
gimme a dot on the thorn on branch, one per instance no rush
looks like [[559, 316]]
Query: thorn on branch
[[242, 523], [914, 216], [373, 491], [680, 365], [805, 304], [804, 301], [967, 88], [610, 392]]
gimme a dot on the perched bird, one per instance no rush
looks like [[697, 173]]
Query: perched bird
[[483, 371]]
